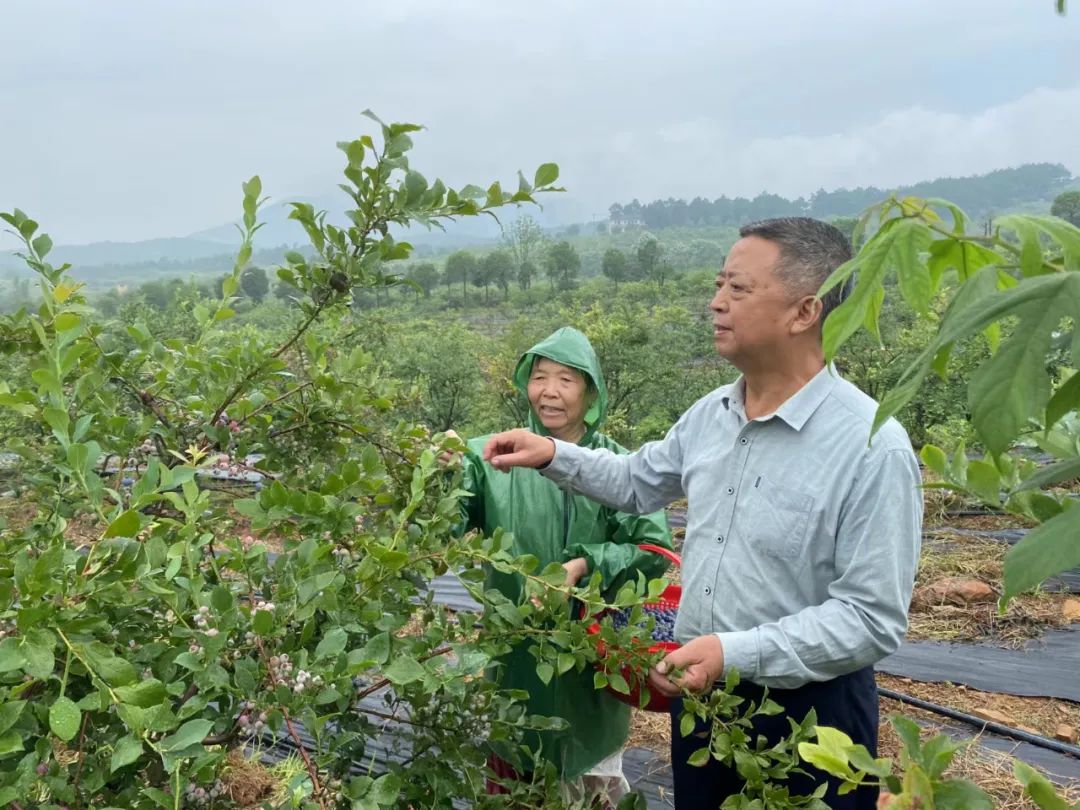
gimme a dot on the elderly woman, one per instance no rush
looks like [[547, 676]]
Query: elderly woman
[[562, 380]]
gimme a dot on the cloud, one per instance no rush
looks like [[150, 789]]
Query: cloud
[[141, 119], [901, 147]]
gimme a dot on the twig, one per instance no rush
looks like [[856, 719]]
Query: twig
[[188, 695], [317, 790], [375, 687], [79, 753], [284, 347], [286, 395]]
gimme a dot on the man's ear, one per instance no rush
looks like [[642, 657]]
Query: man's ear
[[807, 314]]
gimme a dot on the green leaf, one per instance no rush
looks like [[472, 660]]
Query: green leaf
[[262, 622], [128, 749], [106, 665], [377, 649], [332, 644], [897, 244], [984, 480], [618, 682], [1038, 788], [11, 657], [686, 724], [913, 275], [908, 731], [189, 734], [565, 662], [10, 742], [547, 174], [1067, 470], [64, 718], [824, 759], [144, 694], [126, 525], [9, 713], [960, 794], [545, 672], [1031, 252], [1013, 386], [976, 305], [42, 245], [404, 670], [860, 758], [934, 458], [415, 186], [221, 599], [1065, 399], [37, 650], [1065, 234], [57, 419], [386, 788], [1047, 550], [698, 758]]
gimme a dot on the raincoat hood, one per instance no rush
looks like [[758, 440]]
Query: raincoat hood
[[571, 348]]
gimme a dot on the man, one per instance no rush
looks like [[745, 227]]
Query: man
[[803, 533]]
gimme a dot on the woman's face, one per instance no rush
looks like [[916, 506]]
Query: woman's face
[[558, 396]]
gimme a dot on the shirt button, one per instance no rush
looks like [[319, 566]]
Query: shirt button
[[708, 590], [730, 491], [720, 539], [743, 440]]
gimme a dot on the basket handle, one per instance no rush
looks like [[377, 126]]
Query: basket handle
[[663, 552]]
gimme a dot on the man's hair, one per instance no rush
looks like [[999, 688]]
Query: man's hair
[[810, 250]]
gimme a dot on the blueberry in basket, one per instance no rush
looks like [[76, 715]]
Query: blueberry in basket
[[664, 616]]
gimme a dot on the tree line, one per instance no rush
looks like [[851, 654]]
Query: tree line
[[979, 195]]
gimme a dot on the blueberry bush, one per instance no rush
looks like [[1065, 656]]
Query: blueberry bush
[[233, 537]]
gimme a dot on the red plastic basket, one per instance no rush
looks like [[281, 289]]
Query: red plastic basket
[[669, 597]]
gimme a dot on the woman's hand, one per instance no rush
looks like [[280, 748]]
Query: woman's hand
[[450, 456], [575, 570]]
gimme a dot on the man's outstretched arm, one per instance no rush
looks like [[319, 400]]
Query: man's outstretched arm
[[639, 483]]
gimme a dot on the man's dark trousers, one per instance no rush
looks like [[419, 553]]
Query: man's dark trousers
[[848, 703]]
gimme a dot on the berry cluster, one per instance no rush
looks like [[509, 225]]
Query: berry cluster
[[663, 613], [7, 628], [251, 724], [199, 796], [282, 670], [202, 621]]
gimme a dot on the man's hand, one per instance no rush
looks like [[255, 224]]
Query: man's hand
[[518, 448], [702, 663]]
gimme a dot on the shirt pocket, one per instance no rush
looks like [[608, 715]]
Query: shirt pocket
[[779, 519]]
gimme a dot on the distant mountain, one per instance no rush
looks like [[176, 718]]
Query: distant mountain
[[278, 230], [118, 253], [558, 210]]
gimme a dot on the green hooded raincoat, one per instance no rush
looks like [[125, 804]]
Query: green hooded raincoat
[[557, 526]]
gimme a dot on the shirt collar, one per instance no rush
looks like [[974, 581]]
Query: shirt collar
[[798, 408]]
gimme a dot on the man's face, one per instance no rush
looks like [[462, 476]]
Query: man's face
[[753, 311]]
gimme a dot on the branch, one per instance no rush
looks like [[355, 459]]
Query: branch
[[276, 400], [284, 347], [385, 682], [78, 771], [313, 773]]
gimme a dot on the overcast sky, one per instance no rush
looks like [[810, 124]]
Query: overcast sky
[[138, 119]]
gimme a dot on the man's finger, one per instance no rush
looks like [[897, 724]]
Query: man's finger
[[659, 683], [500, 443], [505, 461]]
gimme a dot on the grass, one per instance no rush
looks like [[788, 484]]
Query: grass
[[955, 555]]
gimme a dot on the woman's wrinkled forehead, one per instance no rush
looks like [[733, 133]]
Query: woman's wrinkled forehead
[[546, 364]]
